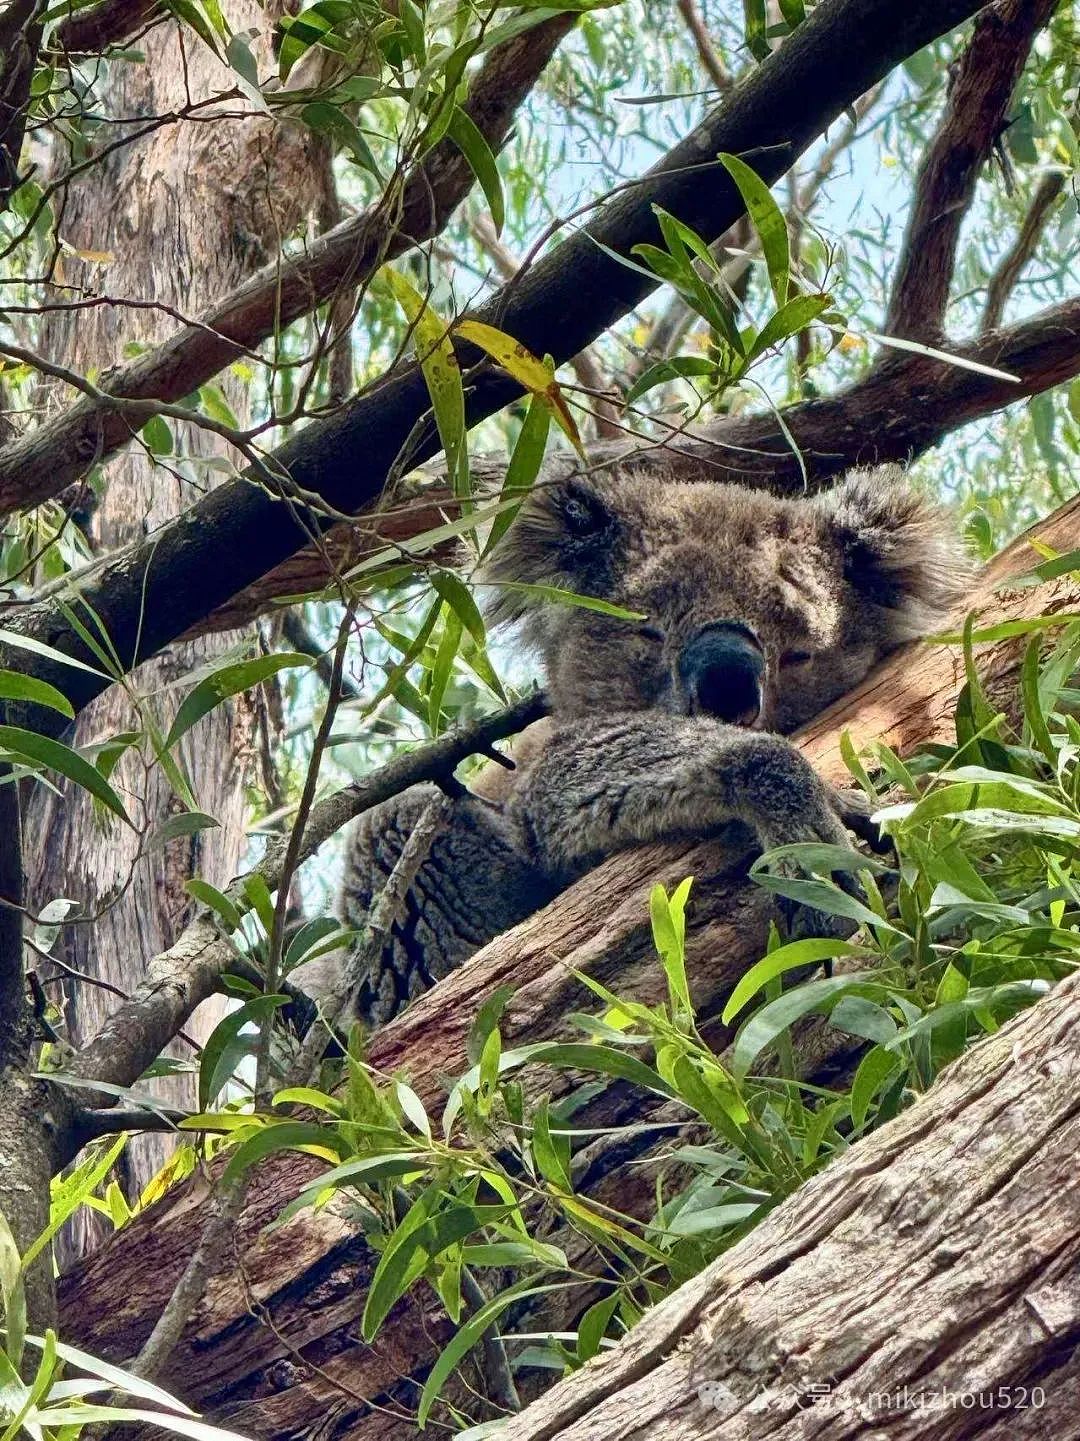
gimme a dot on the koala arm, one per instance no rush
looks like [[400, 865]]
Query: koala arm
[[603, 785]]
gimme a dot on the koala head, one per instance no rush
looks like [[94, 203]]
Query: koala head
[[758, 610]]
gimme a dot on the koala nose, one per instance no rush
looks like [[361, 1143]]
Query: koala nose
[[721, 669]]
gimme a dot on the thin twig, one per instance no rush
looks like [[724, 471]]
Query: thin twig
[[717, 71], [1003, 280]]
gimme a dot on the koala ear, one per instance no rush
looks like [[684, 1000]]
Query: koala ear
[[564, 535], [901, 551]]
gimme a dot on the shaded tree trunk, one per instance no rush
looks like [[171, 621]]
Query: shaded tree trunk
[[308, 1280], [183, 215]]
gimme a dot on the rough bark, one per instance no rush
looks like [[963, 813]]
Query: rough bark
[[925, 1287], [307, 1282], [148, 595], [184, 215]]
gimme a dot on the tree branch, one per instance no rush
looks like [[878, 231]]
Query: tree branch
[[147, 595], [903, 407], [223, 1361], [179, 979], [711, 63], [89, 32], [981, 85], [43, 463], [1003, 281]]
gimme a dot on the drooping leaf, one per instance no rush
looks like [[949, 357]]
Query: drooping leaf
[[529, 372], [230, 680], [38, 750]]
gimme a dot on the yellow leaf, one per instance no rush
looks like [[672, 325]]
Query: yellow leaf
[[526, 369], [441, 373]]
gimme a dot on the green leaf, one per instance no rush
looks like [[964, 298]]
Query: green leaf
[[470, 141], [230, 680], [215, 900], [792, 317], [487, 1018], [12, 1294], [442, 375], [16, 686], [780, 1015], [306, 1136], [524, 467], [668, 916], [54, 755], [873, 1071], [459, 598], [38, 647], [330, 121], [593, 1326], [157, 435], [184, 823], [558, 596], [784, 958], [755, 25], [220, 1056], [679, 367], [551, 1154], [765, 215], [415, 1242], [464, 1339]]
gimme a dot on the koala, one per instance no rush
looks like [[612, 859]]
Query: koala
[[757, 612]]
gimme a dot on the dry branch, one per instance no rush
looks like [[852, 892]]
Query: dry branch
[[981, 86], [61, 451], [308, 1280]]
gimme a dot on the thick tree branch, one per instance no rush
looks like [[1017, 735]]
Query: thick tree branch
[[147, 595], [600, 925], [981, 85], [1003, 281], [808, 1326], [182, 977], [89, 32], [903, 407], [43, 463]]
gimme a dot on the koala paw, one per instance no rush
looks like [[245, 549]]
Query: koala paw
[[855, 808]]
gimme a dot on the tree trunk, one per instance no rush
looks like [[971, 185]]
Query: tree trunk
[[183, 215], [926, 1286], [308, 1280]]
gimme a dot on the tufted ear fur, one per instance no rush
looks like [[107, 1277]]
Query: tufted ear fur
[[901, 551], [565, 535]]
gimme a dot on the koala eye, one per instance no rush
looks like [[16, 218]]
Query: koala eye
[[583, 512], [792, 658]]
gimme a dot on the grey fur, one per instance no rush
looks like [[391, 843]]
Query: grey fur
[[826, 585]]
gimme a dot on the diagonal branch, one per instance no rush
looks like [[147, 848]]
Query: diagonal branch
[[147, 595], [1003, 281], [179, 979], [41, 464], [898, 411], [981, 85]]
